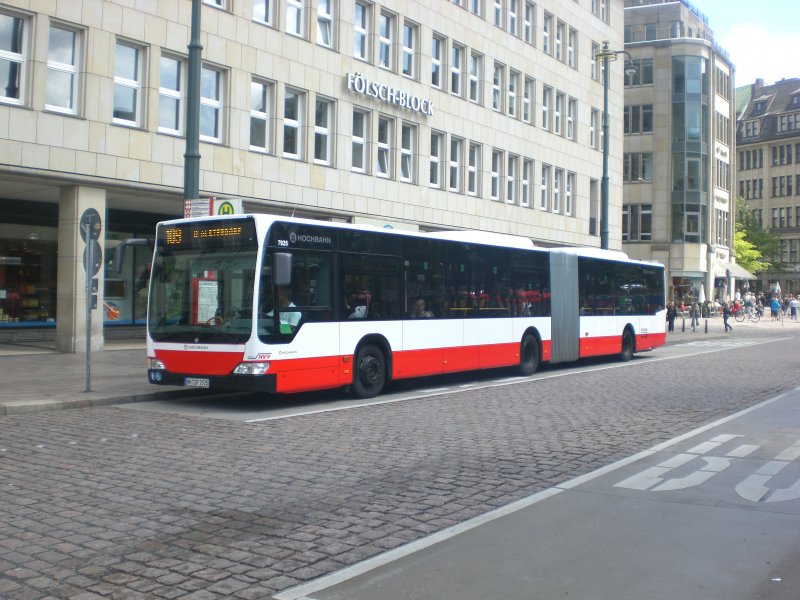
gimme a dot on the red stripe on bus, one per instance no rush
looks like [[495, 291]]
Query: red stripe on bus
[[199, 363]]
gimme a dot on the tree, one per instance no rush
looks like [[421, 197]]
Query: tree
[[756, 249], [747, 255]]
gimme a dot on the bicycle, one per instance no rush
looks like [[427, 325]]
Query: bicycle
[[740, 314]]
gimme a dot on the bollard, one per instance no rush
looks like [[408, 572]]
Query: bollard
[[706, 325], [683, 325]]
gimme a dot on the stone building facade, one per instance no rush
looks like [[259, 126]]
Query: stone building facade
[[479, 114], [768, 146], [679, 145]]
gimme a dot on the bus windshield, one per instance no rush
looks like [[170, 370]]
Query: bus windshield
[[202, 287]]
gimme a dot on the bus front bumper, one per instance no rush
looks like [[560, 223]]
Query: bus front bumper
[[226, 383]]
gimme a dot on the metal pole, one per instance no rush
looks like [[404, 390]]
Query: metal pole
[[88, 270], [604, 181], [191, 165]]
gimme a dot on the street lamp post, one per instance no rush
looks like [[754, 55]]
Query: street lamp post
[[191, 158], [606, 54]]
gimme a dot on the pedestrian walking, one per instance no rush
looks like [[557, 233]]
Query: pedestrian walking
[[726, 313], [694, 313], [672, 314]]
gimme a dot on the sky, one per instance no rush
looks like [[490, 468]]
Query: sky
[[762, 36]]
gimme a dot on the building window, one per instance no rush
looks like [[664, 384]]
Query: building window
[[262, 11], [641, 73], [128, 69], [527, 100], [171, 95], [557, 182], [572, 48], [637, 222], [594, 66], [325, 23], [568, 192], [529, 23], [559, 45], [63, 60], [437, 47], [497, 166], [497, 11], [437, 145], [359, 144], [475, 7], [572, 110], [559, 110], [547, 28], [511, 179], [293, 108], [260, 105], [410, 33], [473, 169], [323, 120], [408, 141], [386, 41], [456, 151], [497, 87], [211, 108], [475, 76], [384, 166], [526, 181], [511, 17], [294, 17], [544, 188], [638, 119], [361, 32], [594, 128], [513, 87], [547, 98], [215, 3], [13, 62], [456, 61], [637, 167]]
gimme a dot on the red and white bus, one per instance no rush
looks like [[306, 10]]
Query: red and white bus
[[282, 305]]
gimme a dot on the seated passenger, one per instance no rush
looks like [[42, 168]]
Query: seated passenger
[[420, 311]]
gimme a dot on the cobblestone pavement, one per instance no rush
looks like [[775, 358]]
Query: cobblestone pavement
[[112, 503]]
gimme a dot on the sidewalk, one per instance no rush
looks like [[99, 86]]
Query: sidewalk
[[36, 378]]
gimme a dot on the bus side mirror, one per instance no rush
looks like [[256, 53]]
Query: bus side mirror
[[282, 268]]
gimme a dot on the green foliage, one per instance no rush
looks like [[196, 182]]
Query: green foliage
[[755, 248]]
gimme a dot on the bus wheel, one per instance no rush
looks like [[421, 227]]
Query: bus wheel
[[369, 374], [528, 355], [627, 346]]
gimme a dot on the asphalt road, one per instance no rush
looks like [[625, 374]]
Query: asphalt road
[[244, 498]]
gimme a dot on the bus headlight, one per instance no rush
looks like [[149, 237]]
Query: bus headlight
[[251, 368], [156, 364]]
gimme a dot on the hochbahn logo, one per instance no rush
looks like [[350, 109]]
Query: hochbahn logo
[[307, 238]]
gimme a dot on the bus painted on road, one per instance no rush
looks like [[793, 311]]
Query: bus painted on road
[[283, 305]]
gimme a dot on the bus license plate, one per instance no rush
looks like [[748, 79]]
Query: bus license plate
[[201, 382]]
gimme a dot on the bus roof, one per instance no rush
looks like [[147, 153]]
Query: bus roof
[[467, 235]]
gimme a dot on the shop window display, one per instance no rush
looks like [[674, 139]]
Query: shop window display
[[27, 276]]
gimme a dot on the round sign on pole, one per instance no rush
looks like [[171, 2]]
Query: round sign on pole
[[97, 258], [90, 219]]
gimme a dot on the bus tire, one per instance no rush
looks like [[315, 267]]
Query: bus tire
[[628, 346], [528, 355], [369, 372]]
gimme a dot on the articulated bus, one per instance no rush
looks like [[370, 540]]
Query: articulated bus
[[283, 305]]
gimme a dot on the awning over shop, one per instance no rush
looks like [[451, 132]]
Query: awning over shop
[[737, 271]]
